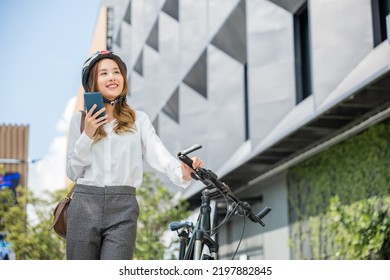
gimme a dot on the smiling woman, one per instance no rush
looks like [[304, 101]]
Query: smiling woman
[[106, 162]]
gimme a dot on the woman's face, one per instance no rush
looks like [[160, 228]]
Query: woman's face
[[110, 81]]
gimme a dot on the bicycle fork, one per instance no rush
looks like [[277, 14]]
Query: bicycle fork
[[201, 235]]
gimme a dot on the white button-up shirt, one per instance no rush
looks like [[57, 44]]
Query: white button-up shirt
[[118, 158]]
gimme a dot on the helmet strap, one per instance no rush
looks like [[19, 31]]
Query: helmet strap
[[113, 102]]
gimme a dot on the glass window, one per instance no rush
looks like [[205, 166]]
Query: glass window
[[380, 9], [302, 53]]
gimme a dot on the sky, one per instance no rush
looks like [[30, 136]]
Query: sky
[[43, 46]]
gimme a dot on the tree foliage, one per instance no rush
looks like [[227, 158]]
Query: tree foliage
[[157, 210], [339, 200], [363, 229], [30, 240]]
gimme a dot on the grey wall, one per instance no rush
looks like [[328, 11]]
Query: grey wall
[[269, 242], [187, 62]]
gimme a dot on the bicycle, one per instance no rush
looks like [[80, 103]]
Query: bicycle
[[194, 238]]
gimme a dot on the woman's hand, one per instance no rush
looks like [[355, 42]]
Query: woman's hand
[[186, 170], [92, 122]]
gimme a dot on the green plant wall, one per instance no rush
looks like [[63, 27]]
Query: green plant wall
[[339, 200]]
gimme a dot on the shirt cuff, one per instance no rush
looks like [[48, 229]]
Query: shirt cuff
[[186, 183]]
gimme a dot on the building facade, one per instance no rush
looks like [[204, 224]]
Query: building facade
[[14, 154], [262, 85]]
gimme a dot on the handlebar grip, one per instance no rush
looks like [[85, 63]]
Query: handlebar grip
[[186, 160], [256, 218], [263, 213], [190, 149]]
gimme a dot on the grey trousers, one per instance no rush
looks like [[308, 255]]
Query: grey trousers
[[102, 223]]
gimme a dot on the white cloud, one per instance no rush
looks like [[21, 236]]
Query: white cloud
[[48, 174], [63, 123]]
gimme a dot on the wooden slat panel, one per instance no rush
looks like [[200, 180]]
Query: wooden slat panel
[[14, 145]]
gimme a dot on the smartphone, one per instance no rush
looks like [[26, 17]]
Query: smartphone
[[91, 98]]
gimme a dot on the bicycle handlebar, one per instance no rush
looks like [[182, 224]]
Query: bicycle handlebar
[[210, 179], [190, 149], [256, 218]]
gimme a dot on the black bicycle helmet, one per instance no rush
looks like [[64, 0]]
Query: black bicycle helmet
[[90, 62]]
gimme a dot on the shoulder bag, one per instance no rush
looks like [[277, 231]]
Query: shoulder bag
[[60, 212]]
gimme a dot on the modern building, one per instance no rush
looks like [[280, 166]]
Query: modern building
[[271, 89]]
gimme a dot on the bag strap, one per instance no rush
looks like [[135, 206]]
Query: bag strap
[[82, 125], [70, 193]]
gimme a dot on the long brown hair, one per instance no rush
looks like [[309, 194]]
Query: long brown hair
[[123, 113]]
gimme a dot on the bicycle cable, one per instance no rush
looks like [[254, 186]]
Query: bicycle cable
[[228, 215], [215, 229], [242, 235]]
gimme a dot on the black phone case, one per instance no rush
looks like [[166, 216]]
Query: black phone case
[[91, 98]]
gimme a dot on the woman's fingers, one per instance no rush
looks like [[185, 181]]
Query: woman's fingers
[[93, 119], [93, 122], [90, 112], [197, 162], [98, 112]]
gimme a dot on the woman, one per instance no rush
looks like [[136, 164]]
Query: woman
[[105, 161]]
